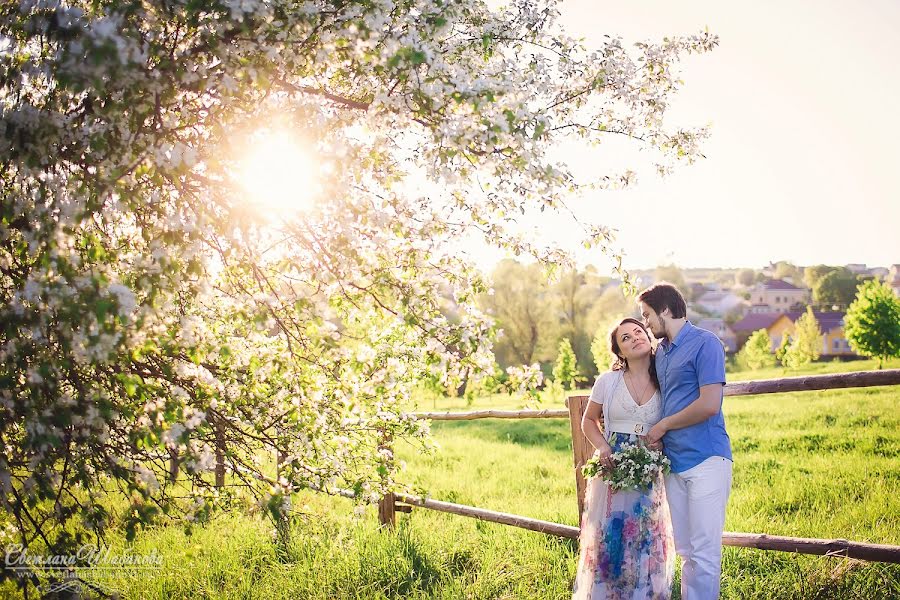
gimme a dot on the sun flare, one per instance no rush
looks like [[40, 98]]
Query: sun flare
[[279, 175]]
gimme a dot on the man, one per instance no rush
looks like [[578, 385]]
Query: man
[[690, 364]]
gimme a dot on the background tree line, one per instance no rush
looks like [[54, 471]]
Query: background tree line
[[535, 312], [562, 322]]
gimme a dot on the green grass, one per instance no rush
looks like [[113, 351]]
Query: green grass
[[812, 464]]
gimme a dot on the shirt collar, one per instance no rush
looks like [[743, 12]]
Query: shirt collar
[[685, 331]]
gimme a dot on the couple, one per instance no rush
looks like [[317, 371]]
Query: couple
[[674, 397]]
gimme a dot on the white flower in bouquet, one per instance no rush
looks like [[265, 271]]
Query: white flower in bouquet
[[636, 467]]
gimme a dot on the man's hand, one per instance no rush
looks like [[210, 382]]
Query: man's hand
[[654, 436], [658, 445]]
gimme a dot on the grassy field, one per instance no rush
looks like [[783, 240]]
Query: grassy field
[[811, 464]]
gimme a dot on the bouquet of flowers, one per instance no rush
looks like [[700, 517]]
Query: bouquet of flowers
[[635, 467]]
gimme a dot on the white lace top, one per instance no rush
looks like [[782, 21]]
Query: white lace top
[[618, 405], [622, 406]]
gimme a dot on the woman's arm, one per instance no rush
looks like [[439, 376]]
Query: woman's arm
[[591, 429]]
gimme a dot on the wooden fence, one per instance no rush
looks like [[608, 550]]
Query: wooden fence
[[582, 450]]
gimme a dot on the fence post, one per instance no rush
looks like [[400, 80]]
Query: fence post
[[581, 447], [386, 508], [220, 454]]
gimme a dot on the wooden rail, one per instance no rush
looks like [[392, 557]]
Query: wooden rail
[[739, 388], [550, 413], [814, 382], [557, 529], [760, 541], [837, 547], [575, 406]]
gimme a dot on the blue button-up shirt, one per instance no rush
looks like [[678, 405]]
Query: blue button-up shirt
[[694, 358]]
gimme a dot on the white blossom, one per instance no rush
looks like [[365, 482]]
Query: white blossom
[[150, 306], [146, 477], [125, 299]]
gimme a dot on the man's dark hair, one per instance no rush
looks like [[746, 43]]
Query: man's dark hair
[[664, 295]]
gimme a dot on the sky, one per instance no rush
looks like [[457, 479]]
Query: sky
[[803, 162]]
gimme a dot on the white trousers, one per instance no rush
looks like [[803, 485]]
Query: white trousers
[[697, 501]]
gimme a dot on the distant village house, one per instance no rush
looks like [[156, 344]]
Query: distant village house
[[719, 303], [777, 325], [779, 295]]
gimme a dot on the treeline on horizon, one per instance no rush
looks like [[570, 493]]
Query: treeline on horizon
[[535, 311]]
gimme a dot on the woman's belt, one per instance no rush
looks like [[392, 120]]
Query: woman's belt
[[628, 427]]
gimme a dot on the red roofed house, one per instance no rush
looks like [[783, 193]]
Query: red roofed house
[[751, 322], [780, 295], [778, 324], [832, 326]]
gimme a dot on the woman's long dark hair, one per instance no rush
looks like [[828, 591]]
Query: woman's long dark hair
[[621, 363]]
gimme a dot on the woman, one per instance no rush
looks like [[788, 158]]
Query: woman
[[626, 536]]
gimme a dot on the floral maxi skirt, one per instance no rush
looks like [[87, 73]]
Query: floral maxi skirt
[[626, 544]]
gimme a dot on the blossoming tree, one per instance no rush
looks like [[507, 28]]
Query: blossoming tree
[[154, 315]]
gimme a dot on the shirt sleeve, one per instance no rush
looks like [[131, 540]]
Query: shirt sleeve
[[597, 390], [711, 362]]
